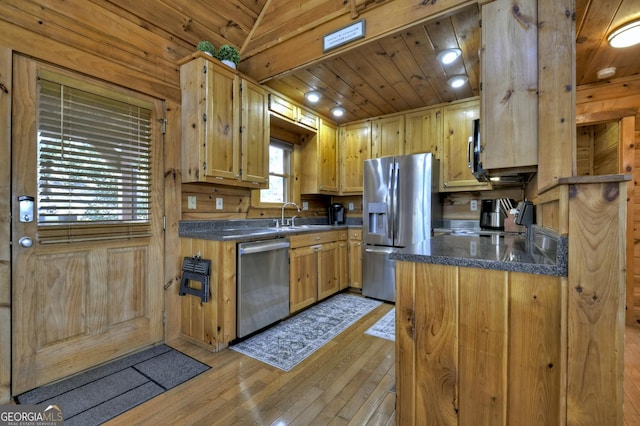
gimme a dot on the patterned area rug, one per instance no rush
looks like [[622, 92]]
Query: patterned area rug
[[102, 393], [288, 343], [385, 327]]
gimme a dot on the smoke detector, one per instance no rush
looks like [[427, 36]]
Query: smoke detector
[[606, 72]]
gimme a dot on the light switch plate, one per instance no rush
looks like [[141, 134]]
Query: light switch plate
[[191, 202], [350, 206], [305, 205], [218, 203]]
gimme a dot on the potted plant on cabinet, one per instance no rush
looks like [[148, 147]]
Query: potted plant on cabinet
[[207, 48], [229, 55]]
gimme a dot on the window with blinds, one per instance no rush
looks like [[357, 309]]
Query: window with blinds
[[94, 163]]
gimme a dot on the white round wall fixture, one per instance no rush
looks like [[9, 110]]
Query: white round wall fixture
[[606, 73]]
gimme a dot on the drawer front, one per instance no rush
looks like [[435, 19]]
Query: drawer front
[[355, 234], [282, 107], [310, 239], [307, 118]]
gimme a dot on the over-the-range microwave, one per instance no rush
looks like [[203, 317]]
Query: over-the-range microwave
[[503, 177]]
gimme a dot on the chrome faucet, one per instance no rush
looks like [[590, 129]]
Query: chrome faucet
[[288, 203]]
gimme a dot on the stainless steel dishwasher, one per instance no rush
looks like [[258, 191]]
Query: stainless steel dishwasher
[[263, 284]]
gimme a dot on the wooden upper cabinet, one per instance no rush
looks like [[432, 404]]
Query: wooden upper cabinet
[[292, 112], [225, 130], [254, 133], [509, 110], [320, 161], [355, 145], [455, 173], [423, 132], [387, 136]]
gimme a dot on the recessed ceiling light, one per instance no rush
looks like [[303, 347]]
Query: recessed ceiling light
[[447, 56], [625, 36], [457, 81], [312, 96], [337, 111]]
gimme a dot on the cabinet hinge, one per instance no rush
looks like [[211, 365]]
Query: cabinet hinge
[[204, 69], [164, 317], [164, 223], [204, 117], [163, 123]]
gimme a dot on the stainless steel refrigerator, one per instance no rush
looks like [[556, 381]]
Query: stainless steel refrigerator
[[400, 203]]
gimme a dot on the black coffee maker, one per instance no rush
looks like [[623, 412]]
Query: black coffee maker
[[336, 214]]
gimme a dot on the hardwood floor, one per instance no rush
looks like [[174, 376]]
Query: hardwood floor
[[348, 381]]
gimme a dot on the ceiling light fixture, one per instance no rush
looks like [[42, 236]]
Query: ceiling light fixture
[[447, 56], [457, 81], [312, 96], [606, 73], [625, 36], [337, 111]]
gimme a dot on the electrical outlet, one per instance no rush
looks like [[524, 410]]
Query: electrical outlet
[[191, 202], [474, 205], [350, 207], [218, 203], [305, 205]]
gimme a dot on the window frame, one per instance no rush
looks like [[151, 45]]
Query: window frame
[[293, 193]]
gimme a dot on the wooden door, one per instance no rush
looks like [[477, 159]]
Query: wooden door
[[355, 146], [77, 302], [255, 134], [328, 270], [303, 277], [387, 137]]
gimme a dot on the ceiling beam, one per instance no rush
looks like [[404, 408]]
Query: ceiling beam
[[306, 48], [255, 26]]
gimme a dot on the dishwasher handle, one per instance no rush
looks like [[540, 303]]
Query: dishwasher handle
[[262, 246]]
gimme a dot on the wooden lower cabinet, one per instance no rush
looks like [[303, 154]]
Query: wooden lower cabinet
[[211, 324], [355, 258], [343, 259], [313, 268], [328, 270], [477, 346], [303, 277]]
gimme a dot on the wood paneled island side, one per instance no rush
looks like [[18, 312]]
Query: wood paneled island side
[[491, 334]]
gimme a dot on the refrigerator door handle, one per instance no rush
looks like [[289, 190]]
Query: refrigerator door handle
[[390, 203], [396, 191]]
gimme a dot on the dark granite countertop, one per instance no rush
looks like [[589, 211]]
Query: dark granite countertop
[[543, 253], [253, 229]]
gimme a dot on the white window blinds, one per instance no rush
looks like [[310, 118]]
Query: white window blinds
[[94, 164]]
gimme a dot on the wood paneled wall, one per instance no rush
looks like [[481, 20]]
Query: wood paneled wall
[[611, 101], [91, 38], [5, 225]]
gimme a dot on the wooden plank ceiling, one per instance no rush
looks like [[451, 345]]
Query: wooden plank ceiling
[[392, 73]]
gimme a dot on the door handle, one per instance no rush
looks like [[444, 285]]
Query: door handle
[[25, 242]]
